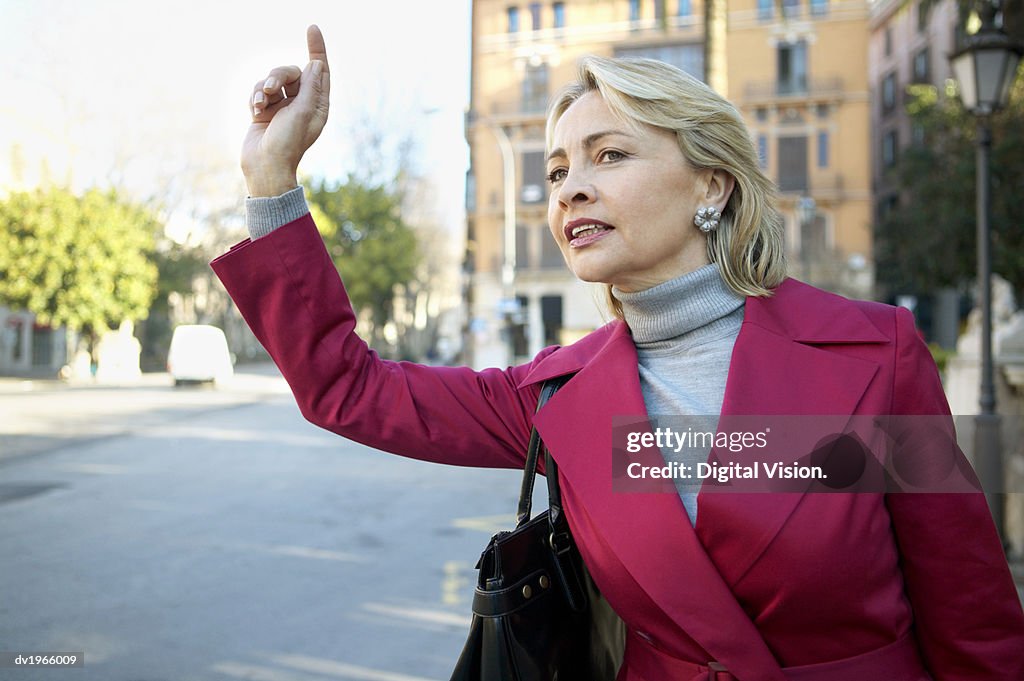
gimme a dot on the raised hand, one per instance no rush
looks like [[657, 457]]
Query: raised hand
[[289, 110]]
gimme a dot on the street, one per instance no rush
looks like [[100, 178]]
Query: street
[[200, 534]]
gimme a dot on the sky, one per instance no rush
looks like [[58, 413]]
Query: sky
[[151, 96]]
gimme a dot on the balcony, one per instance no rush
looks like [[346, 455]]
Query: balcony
[[824, 187], [689, 27], [775, 91]]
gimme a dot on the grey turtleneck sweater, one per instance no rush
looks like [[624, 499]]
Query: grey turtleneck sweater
[[684, 330]]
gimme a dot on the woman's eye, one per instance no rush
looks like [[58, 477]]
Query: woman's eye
[[612, 155], [557, 175]]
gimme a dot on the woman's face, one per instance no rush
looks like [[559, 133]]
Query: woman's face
[[636, 191]]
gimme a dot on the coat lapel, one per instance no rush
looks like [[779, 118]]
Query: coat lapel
[[782, 366], [649, 532], [777, 368]]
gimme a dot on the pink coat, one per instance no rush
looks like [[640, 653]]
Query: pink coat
[[829, 587]]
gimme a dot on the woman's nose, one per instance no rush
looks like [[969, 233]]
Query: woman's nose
[[575, 189]]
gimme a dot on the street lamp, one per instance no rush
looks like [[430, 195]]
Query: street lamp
[[509, 303], [985, 67]]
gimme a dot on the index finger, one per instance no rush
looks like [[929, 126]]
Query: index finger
[[315, 45]]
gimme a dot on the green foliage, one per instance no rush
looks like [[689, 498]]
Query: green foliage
[[941, 356], [80, 261], [929, 239], [373, 249]]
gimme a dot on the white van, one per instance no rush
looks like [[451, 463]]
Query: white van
[[199, 353]]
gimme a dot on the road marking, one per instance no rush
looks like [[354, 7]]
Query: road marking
[[302, 552], [94, 468], [419, 614], [319, 665], [488, 524], [455, 584]]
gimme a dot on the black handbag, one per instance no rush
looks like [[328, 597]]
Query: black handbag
[[537, 615]]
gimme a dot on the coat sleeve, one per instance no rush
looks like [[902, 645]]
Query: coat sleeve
[[967, 614], [288, 290]]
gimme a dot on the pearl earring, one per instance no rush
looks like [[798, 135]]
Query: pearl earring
[[707, 219]]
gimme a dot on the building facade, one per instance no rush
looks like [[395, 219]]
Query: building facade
[[28, 348], [796, 71], [909, 45]]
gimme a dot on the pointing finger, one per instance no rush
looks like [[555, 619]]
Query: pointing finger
[[315, 45]]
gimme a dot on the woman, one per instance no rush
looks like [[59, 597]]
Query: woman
[[656, 192]]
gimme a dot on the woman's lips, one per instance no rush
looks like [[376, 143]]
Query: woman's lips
[[590, 236], [584, 231]]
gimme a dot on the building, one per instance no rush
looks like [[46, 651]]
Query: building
[[797, 70], [798, 76], [28, 348], [909, 45]]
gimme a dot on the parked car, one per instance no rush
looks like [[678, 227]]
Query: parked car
[[199, 353]]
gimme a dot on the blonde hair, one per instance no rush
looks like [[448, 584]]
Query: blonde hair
[[749, 244]]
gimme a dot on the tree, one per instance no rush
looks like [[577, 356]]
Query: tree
[[372, 247], [928, 240], [77, 261]]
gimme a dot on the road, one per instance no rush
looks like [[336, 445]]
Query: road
[[214, 535]]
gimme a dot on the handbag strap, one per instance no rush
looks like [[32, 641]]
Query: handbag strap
[[549, 388]]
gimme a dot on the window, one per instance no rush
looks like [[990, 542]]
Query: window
[[534, 188], [889, 93], [920, 67], [922, 17], [685, 8], [823, 149], [888, 41], [634, 10], [762, 151], [886, 206], [790, 8], [659, 11], [470, 191], [793, 164], [762, 114], [550, 254], [917, 135], [535, 15], [814, 237], [522, 247], [559, 11], [520, 342], [535, 88], [551, 318], [765, 9], [889, 149], [819, 8], [822, 110], [513, 19], [687, 56], [792, 68]]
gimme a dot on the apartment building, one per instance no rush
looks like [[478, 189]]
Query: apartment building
[[909, 45], [797, 72]]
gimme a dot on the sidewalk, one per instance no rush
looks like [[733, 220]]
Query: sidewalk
[[244, 374], [43, 415]]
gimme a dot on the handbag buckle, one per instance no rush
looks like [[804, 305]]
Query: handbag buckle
[[560, 542], [718, 672]]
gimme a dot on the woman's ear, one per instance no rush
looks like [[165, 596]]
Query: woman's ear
[[719, 188]]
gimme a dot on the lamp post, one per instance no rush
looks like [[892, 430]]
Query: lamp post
[[509, 303], [985, 67]]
